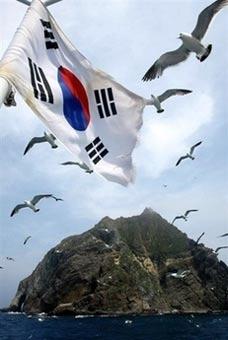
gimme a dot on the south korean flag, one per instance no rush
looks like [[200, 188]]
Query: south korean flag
[[95, 117]]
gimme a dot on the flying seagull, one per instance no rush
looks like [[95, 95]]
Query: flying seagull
[[223, 235], [180, 274], [199, 238], [190, 43], [217, 249], [47, 137], [1, 267], [9, 258], [188, 155], [32, 203], [26, 240], [83, 166], [184, 217], [156, 101]]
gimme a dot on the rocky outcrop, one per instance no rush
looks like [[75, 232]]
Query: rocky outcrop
[[123, 266]]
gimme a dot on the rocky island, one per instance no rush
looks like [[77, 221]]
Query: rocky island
[[124, 266]]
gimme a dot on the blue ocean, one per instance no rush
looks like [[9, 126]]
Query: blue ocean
[[176, 327]]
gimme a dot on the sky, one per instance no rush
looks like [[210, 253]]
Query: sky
[[123, 38]]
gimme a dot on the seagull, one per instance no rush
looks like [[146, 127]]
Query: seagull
[[32, 203], [199, 238], [184, 217], [180, 274], [9, 258], [26, 240], [156, 101], [1, 267], [83, 166], [10, 99], [217, 249], [190, 43], [188, 155], [223, 235], [47, 137]]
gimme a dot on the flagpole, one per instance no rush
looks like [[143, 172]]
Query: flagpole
[[4, 85]]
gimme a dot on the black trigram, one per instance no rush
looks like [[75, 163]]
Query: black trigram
[[41, 87], [105, 102], [50, 41], [96, 150]]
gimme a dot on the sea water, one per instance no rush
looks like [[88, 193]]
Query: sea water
[[170, 327]]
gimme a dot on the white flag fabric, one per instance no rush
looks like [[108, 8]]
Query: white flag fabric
[[95, 117]]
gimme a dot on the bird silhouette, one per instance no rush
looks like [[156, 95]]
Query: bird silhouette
[[26, 240], [184, 217], [189, 155], [9, 258]]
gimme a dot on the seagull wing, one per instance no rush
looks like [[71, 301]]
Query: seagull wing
[[177, 217], [168, 59], [33, 141], [17, 208], [70, 163], [223, 235], [185, 272], [182, 272], [172, 92], [56, 198], [199, 238], [205, 17], [85, 166], [181, 159], [26, 240], [37, 198], [217, 249], [174, 220], [194, 146], [188, 212], [52, 136]]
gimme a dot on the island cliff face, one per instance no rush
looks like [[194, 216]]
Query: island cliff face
[[122, 266]]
